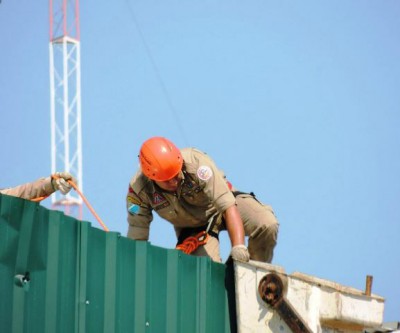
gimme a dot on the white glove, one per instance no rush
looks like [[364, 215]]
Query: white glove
[[60, 181], [240, 253]]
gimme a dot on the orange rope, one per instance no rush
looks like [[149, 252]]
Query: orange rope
[[38, 199], [88, 205], [191, 244], [83, 198]]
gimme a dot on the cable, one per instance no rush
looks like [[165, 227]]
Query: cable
[[157, 72]]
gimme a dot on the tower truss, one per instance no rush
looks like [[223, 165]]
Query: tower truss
[[65, 99]]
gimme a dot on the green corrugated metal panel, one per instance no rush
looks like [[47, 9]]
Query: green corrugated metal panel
[[83, 279]]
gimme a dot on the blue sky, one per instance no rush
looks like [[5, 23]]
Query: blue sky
[[296, 101]]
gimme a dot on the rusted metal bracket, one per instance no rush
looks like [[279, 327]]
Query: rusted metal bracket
[[272, 289]]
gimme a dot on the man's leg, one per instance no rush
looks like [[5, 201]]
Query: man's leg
[[210, 249], [260, 225]]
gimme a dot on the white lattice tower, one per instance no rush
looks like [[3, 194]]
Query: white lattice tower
[[65, 99]]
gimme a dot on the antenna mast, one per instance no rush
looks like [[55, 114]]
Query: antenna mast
[[65, 98]]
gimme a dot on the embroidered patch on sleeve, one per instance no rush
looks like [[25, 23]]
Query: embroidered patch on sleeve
[[204, 172], [133, 209], [133, 204], [133, 200]]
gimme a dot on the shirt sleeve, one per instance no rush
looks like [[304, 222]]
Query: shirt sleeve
[[139, 216], [39, 188]]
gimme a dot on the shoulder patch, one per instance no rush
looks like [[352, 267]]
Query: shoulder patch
[[133, 209], [133, 203], [204, 172]]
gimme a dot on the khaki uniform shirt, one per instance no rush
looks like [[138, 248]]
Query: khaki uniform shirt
[[39, 188], [202, 193]]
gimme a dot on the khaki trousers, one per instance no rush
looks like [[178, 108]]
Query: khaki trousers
[[260, 225]]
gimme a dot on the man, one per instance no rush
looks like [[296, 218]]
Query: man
[[186, 188], [42, 187]]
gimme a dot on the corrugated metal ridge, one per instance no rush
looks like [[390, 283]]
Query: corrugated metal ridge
[[59, 274]]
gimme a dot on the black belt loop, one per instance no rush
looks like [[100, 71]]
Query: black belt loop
[[213, 234], [236, 193]]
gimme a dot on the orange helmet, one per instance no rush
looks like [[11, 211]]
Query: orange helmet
[[160, 159]]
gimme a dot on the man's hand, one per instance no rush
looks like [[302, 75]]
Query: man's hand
[[240, 253], [60, 181]]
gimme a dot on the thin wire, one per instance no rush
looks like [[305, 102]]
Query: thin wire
[[157, 72]]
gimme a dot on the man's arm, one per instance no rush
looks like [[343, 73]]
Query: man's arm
[[139, 216], [29, 191], [138, 227], [42, 187], [234, 225]]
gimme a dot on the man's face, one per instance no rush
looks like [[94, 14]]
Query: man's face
[[172, 184]]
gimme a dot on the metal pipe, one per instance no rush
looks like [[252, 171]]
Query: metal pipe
[[368, 285]]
